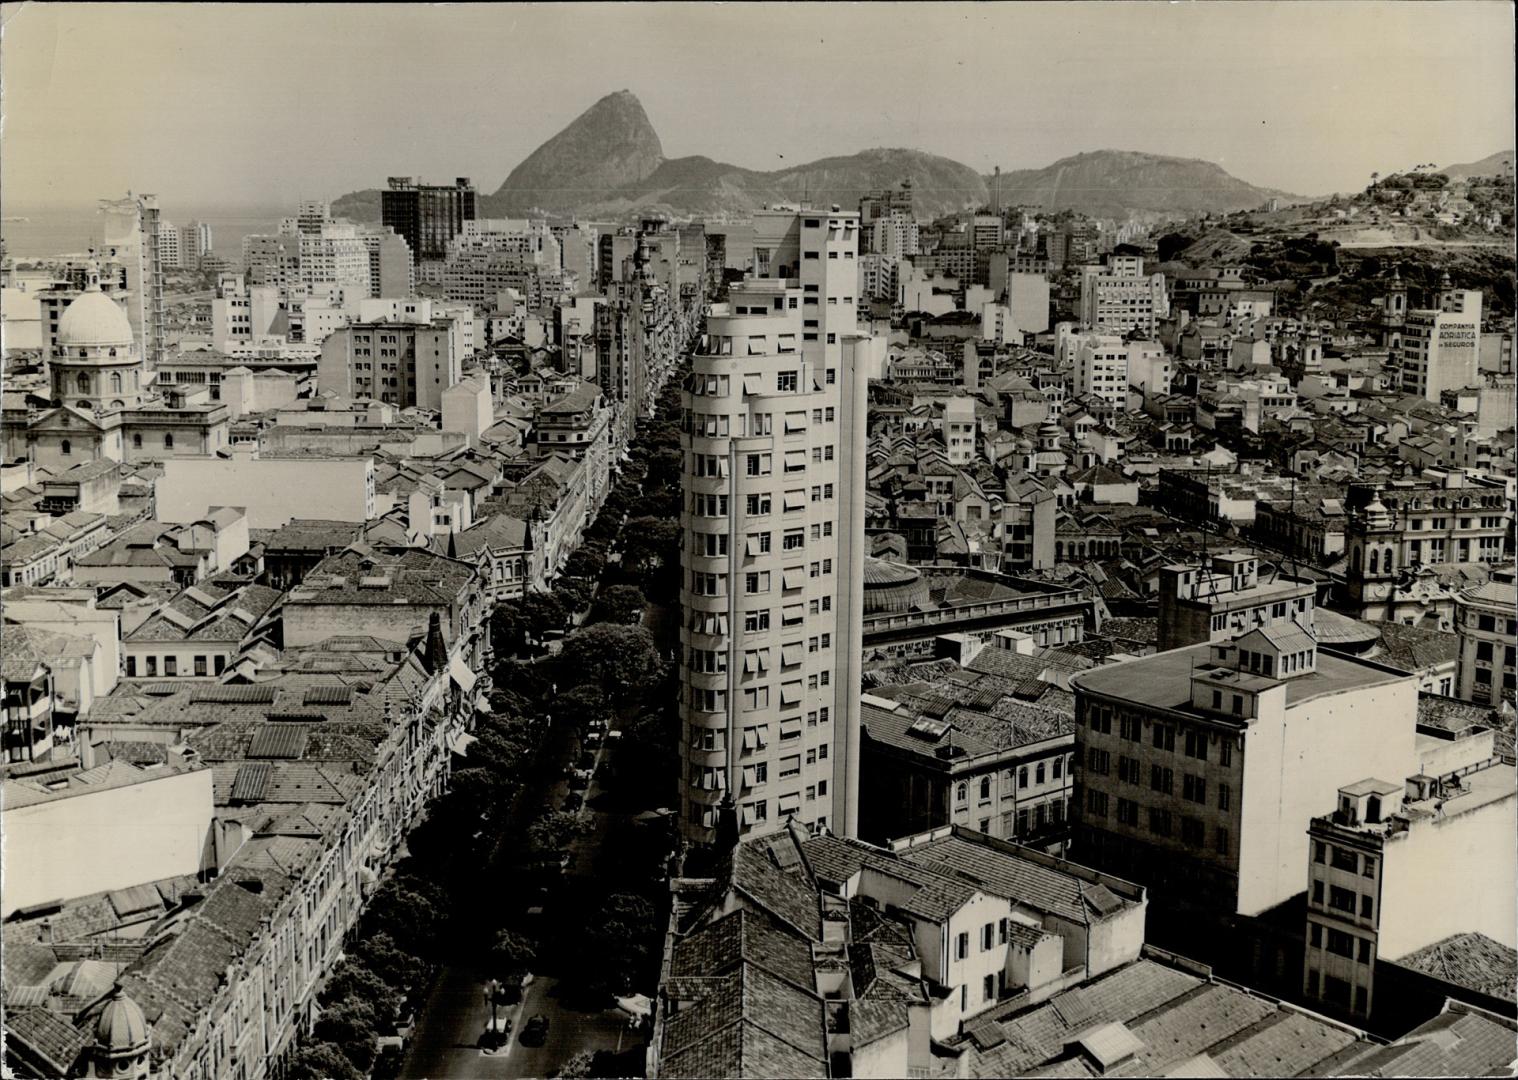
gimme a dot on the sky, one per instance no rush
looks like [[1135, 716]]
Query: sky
[[233, 105]]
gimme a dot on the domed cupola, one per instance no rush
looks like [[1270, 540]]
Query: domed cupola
[[96, 362], [122, 1040]]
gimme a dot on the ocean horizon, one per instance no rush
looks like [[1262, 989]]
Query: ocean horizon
[[49, 231]]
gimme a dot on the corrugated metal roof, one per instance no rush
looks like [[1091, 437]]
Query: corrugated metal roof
[[339, 694], [286, 741], [234, 695], [248, 786]]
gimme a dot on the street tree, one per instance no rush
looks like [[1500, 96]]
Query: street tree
[[352, 1027], [353, 980], [399, 969], [512, 954], [623, 603], [622, 660], [321, 1061]]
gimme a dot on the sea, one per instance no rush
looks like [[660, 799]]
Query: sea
[[51, 231]]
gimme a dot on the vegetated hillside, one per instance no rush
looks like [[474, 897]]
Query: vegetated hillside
[[698, 185], [1363, 274], [1120, 183], [362, 207], [1497, 164], [607, 147]]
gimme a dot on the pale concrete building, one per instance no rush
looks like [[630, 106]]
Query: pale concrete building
[[400, 363], [1382, 864], [959, 429], [111, 827], [773, 555], [1119, 297], [1439, 348], [272, 490], [1198, 769]]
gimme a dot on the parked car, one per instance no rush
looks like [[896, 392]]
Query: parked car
[[535, 1031], [573, 801], [592, 738]]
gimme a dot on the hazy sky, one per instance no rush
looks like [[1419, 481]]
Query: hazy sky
[[210, 105]]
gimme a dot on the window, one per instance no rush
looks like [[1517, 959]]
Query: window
[[962, 794], [1341, 899], [1368, 866], [785, 381], [985, 789], [1340, 943], [1344, 859], [1164, 737], [168, 441], [1161, 780], [1317, 892], [1196, 744], [200, 665], [1319, 851], [1159, 821], [962, 946], [1315, 935], [1096, 803], [1222, 840], [1367, 906], [1225, 752], [988, 991], [987, 936], [1128, 812]]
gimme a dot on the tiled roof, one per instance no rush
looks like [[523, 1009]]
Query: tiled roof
[[744, 937], [784, 895], [1461, 1041], [54, 1041], [1023, 880], [1471, 960], [750, 1024]]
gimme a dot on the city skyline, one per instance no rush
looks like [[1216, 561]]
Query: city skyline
[[1233, 84]]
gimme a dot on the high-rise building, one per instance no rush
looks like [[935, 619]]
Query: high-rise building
[[1440, 347], [169, 252], [1120, 297], [427, 216], [773, 528], [402, 364], [194, 243], [1198, 770], [131, 239], [884, 203]]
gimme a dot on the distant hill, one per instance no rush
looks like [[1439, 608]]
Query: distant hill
[[1499, 163], [609, 162], [608, 146], [1120, 183], [698, 185]]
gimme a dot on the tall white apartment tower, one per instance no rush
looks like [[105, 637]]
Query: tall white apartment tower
[[772, 596]]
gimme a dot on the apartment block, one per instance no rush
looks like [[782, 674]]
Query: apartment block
[[400, 363], [1210, 604], [427, 216], [1199, 768], [1439, 348], [1382, 861], [1119, 297], [773, 525]]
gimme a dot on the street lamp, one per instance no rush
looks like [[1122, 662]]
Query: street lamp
[[492, 994]]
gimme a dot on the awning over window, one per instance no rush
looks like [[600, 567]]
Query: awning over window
[[791, 655], [752, 384], [748, 776], [459, 672], [750, 739], [748, 814], [790, 693], [795, 500], [794, 577], [792, 614], [791, 727], [795, 459], [794, 422], [789, 804]]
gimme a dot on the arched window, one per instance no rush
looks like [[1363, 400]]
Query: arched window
[[115, 382], [137, 442], [168, 441], [113, 351], [1375, 559], [65, 448], [82, 381], [1386, 561], [962, 793], [985, 787]]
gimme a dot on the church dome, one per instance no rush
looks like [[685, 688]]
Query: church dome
[[93, 321], [121, 1028]]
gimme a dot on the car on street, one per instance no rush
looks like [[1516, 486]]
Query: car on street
[[592, 738], [535, 1031]]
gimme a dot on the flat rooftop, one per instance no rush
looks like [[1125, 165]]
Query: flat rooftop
[[1164, 680]]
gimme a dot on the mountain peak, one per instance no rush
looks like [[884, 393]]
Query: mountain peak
[[607, 146]]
